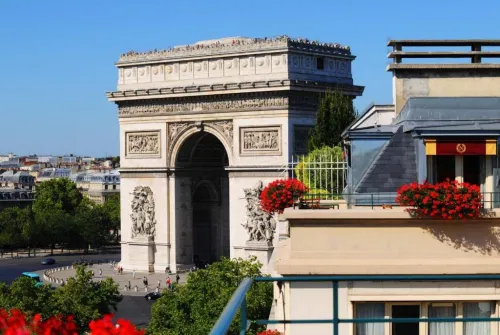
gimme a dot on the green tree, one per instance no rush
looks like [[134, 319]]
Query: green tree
[[31, 232], [86, 299], [58, 194], [335, 113], [11, 223], [322, 171], [54, 226], [91, 226], [189, 311], [112, 210], [24, 295]]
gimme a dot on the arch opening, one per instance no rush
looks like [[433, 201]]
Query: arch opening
[[202, 200]]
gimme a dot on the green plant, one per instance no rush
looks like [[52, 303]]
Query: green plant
[[193, 308], [322, 169], [335, 113]]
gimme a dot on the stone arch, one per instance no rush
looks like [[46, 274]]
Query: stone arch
[[190, 130]]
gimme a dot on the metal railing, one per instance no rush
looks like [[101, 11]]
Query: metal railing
[[238, 301], [322, 200], [327, 175]]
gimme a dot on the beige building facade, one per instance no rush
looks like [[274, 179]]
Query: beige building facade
[[389, 265], [202, 128]]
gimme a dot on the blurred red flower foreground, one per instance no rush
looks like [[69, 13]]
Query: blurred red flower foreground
[[270, 332], [15, 322], [281, 194], [449, 200]]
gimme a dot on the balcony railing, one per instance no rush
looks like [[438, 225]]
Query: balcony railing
[[238, 301], [313, 200]]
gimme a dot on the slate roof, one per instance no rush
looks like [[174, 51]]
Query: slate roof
[[395, 165]]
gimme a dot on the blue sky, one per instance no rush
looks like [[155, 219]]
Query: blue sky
[[56, 57]]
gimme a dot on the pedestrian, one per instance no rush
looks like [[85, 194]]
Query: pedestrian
[[158, 283], [129, 285], [169, 282], [133, 274], [177, 278], [100, 272]]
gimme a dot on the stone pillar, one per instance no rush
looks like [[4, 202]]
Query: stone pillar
[[263, 250], [141, 253]]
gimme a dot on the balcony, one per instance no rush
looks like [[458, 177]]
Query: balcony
[[331, 263]]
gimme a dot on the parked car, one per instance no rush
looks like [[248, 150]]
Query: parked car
[[48, 261], [152, 296], [34, 277]]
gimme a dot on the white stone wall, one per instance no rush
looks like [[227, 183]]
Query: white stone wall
[[149, 161], [314, 300], [159, 188]]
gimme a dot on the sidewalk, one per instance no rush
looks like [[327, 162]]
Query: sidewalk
[[23, 253], [123, 279]]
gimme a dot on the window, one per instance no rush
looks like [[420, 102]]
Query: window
[[320, 63], [477, 310], [403, 312], [442, 311], [370, 311], [430, 310]]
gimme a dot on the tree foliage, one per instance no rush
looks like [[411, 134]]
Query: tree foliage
[[193, 308], [86, 299], [60, 215], [81, 297], [335, 113], [59, 194]]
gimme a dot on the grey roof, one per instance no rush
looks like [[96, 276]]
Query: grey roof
[[395, 165]]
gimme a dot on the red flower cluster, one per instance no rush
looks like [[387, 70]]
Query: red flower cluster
[[16, 323], [270, 332], [281, 194], [447, 200]]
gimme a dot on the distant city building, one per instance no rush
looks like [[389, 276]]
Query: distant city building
[[17, 180], [97, 186], [48, 159], [51, 173], [68, 160], [8, 157], [88, 160]]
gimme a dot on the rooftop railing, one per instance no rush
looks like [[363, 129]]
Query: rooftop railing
[[325, 200], [238, 301]]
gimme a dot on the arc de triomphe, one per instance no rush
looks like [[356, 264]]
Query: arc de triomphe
[[201, 128]]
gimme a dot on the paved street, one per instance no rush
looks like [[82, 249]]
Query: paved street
[[134, 308], [134, 279]]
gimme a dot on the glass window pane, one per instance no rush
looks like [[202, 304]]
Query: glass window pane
[[477, 310], [370, 311], [441, 328]]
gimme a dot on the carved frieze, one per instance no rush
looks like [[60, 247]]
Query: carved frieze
[[174, 129], [143, 212], [143, 144], [159, 107], [225, 128], [256, 141]]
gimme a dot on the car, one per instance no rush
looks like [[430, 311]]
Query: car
[[152, 296], [34, 277], [48, 261]]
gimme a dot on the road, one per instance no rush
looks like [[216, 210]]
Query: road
[[135, 309]]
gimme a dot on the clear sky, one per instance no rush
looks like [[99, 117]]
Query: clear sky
[[57, 56]]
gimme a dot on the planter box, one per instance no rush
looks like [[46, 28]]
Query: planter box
[[386, 242]]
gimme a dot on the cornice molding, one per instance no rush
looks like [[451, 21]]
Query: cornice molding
[[233, 88], [235, 45]]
